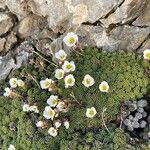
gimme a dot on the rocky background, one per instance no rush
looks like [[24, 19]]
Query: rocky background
[[31, 26]]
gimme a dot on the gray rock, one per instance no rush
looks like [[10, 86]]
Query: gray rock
[[2, 4], [30, 26], [122, 37], [126, 37], [128, 11], [21, 7], [145, 45], [142, 103], [21, 59], [7, 64], [11, 41], [2, 44], [73, 12], [144, 18], [6, 23]]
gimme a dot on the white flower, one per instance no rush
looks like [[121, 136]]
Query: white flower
[[69, 81], [34, 109], [49, 113], [104, 87], [91, 112], [26, 107], [61, 106], [59, 74], [146, 54], [8, 92], [61, 55], [88, 81], [45, 84], [66, 124], [52, 131], [20, 83], [57, 124], [52, 101], [68, 66], [11, 147], [70, 39], [13, 82]]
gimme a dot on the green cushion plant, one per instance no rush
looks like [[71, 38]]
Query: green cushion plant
[[123, 71]]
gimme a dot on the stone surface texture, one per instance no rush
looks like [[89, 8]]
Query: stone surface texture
[[40, 25]]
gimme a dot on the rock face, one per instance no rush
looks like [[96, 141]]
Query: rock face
[[109, 25], [128, 11], [6, 23], [144, 18], [30, 26]]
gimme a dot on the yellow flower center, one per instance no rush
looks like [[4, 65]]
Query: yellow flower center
[[69, 81], [14, 82], [60, 74], [91, 112], [148, 55], [69, 66], [88, 81], [53, 131], [62, 57], [104, 87], [50, 113], [54, 102], [71, 40], [47, 83], [62, 106]]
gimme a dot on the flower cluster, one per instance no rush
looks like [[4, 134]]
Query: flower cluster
[[55, 106], [66, 68], [13, 82], [27, 108]]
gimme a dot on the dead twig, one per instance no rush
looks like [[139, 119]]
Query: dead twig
[[45, 59], [104, 110]]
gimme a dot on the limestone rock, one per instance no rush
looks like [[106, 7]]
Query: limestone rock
[[122, 37], [30, 26], [96, 9], [127, 37], [144, 18], [43, 46], [6, 65], [73, 12], [145, 45], [6, 23], [2, 4], [21, 8], [11, 41], [2, 44], [127, 12]]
